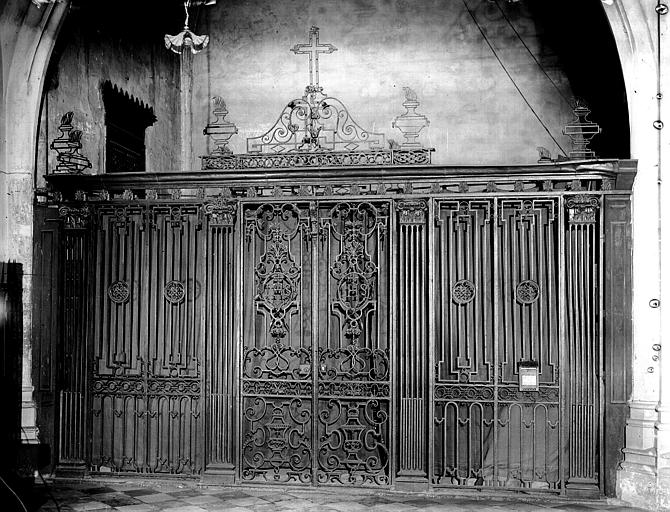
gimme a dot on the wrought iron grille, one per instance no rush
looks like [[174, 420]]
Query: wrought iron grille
[[367, 330], [497, 268], [316, 368]]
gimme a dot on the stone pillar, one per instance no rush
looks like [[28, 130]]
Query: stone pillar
[[661, 351], [28, 35], [634, 24]]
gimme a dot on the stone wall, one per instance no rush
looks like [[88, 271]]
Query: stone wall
[[89, 53], [477, 115]]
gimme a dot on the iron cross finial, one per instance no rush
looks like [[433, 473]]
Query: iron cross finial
[[313, 49]]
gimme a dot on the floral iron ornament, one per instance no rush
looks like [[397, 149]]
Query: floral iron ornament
[[186, 38]]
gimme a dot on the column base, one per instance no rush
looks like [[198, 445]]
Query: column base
[[29, 430], [218, 474], [75, 469], [637, 486], [663, 489], [412, 481], [582, 488]]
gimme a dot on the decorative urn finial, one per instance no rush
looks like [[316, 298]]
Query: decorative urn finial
[[68, 146], [410, 123], [220, 130], [581, 130]]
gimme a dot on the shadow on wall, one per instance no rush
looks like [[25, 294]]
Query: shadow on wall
[[579, 33]]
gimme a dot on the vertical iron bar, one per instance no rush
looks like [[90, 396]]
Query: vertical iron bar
[[239, 329], [394, 279], [561, 345], [601, 316], [314, 247], [496, 230]]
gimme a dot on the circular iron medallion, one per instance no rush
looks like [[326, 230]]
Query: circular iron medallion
[[174, 292], [527, 292], [463, 291], [118, 292]]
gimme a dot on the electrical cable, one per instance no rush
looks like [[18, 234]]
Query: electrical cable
[[46, 485], [509, 22], [15, 495], [495, 53]]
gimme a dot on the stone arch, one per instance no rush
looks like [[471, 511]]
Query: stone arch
[[29, 35], [645, 472], [23, 65]]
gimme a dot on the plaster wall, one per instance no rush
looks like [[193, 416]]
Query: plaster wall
[[144, 69], [477, 115]]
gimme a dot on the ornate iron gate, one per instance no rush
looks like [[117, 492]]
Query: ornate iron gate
[[375, 335], [316, 363], [514, 405], [147, 356], [498, 276]]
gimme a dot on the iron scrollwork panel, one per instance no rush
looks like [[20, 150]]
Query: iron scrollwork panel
[[528, 236], [487, 431], [146, 414], [528, 433], [353, 363], [277, 360], [340, 427], [464, 267], [464, 394]]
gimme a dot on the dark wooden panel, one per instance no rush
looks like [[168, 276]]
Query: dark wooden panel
[[617, 347], [46, 317], [11, 341], [77, 252]]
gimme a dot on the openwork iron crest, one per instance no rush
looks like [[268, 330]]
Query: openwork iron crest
[[317, 130], [463, 291], [527, 292], [174, 292], [313, 123], [119, 292]]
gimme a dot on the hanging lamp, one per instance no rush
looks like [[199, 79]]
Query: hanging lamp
[[186, 38]]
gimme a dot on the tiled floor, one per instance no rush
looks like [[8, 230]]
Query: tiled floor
[[151, 496]]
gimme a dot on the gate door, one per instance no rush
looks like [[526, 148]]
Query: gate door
[[497, 319], [146, 376], [315, 360]]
